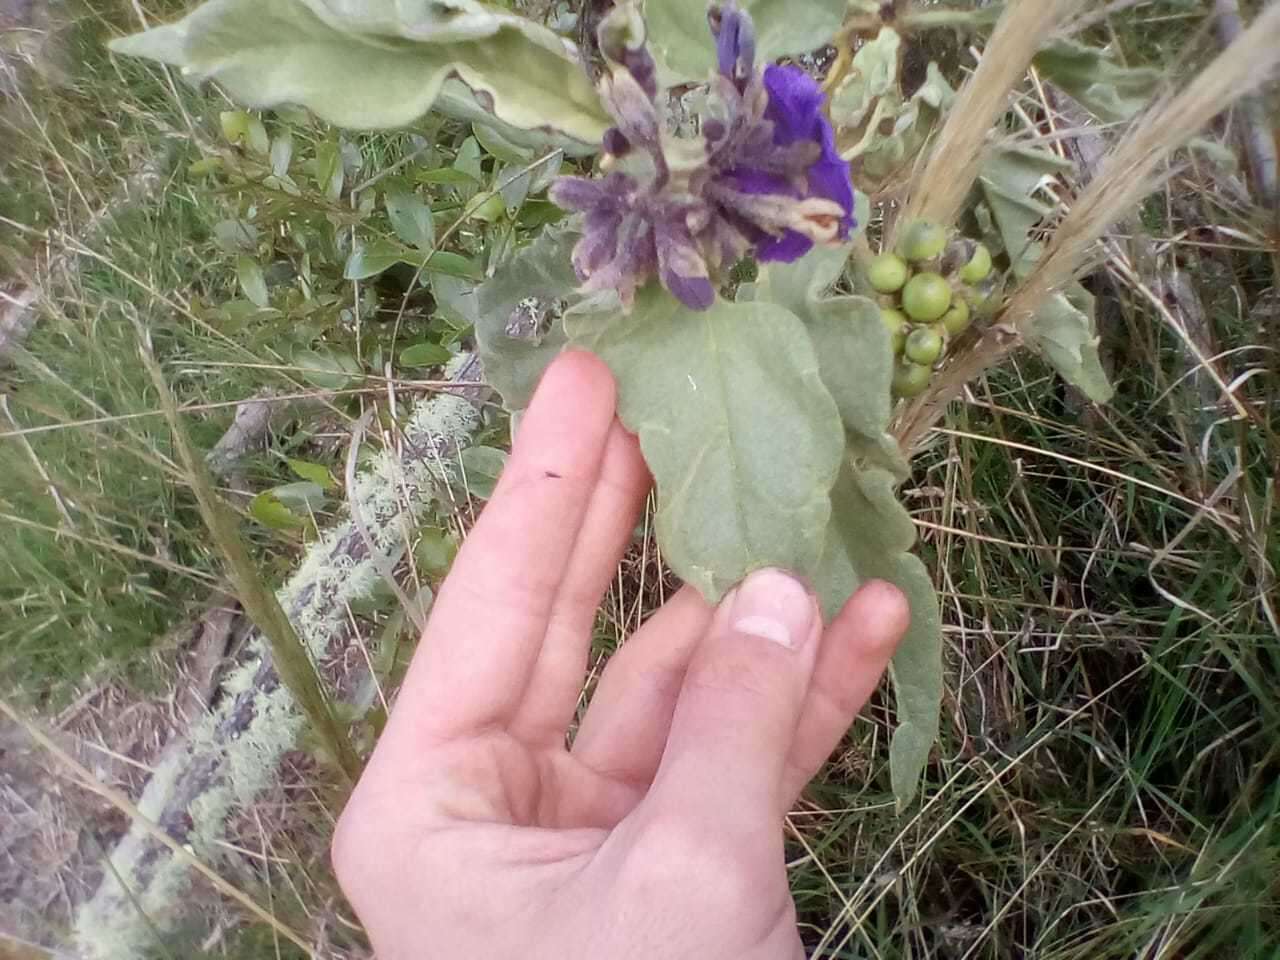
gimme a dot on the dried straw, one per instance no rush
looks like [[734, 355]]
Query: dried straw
[[1133, 169], [939, 189]]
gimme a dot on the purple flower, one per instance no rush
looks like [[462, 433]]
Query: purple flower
[[769, 181], [795, 110]]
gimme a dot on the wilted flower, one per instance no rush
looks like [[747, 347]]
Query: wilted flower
[[764, 177]]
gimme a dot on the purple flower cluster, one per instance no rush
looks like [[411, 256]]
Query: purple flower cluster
[[763, 177]]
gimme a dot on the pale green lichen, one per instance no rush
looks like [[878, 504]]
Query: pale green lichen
[[390, 495]]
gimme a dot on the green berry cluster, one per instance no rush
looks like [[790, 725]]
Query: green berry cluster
[[930, 288]]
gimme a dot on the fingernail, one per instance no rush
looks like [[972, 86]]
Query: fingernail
[[773, 606]]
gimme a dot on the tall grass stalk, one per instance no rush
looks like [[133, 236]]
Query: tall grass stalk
[[938, 189], [289, 654]]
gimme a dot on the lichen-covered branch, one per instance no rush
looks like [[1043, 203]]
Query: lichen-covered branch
[[232, 753]]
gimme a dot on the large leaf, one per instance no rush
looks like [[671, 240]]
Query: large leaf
[[870, 533], [380, 63], [1106, 89], [741, 436], [1065, 333], [683, 46], [1009, 180], [456, 99], [870, 537], [519, 329], [854, 353]]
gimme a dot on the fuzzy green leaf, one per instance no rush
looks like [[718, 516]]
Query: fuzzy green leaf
[[425, 354], [479, 469], [252, 282], [854, 354], [683, 45], [236, 236], [457, 100], [1065, 333], [1108, 90], [411, 219], [380, 63], [518, 329], [267, 509], [741, 436], [870, 533], [1009, 180], [317, 473], [370, 259], [328, 370], [870, 537]]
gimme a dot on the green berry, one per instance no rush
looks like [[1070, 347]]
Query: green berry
[[924, 346], [910, 379], [956, 320], [922, 240], [926, 297], [887, 273], [979, 266], [895, 321]]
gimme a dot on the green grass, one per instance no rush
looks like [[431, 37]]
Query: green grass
[[1105, 785]]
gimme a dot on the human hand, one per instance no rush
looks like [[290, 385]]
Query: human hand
[[475, 831]]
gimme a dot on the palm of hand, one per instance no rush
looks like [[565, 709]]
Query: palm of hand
[[475, 830]]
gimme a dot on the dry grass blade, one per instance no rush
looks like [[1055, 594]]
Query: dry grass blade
[[1130, 172], [939, 188]]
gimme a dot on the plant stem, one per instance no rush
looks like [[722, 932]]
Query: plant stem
[[292, 661]]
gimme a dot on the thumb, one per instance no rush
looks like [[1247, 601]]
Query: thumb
[[740, 704]]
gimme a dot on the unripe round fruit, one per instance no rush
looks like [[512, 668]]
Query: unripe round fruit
[[923, 346], [910, 379], [979, 266], [956, 320], [926, 297], [895, 321], [922, 240], [887, 273]]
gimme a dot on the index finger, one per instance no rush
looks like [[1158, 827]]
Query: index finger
[[489, 621]]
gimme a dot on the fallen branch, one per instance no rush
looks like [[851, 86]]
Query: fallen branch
[[232, 754]]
